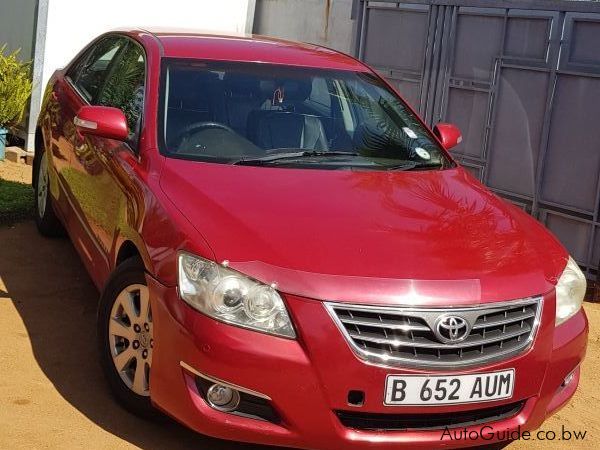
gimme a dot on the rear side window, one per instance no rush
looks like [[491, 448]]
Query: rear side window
[[89, 73], [124, 86]]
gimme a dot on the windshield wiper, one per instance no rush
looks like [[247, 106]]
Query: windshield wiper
[[290, 155], [412, 165]]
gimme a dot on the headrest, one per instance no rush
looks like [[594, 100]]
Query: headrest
[[187, 85], [267, 88], [297, 90], [293, 90], [240, 84]]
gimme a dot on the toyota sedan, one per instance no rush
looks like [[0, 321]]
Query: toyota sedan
[[288, 255]]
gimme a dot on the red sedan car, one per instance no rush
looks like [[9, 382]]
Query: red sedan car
[[287, 254]]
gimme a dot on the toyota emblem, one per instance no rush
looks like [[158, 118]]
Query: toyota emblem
[[451, 329]]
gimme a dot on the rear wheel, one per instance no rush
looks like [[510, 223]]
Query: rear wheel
[[125, 337], [45, 218]]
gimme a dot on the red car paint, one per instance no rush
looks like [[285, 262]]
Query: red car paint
[[433, 238], [103, 121]]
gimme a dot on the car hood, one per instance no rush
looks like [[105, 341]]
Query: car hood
[[396, 237]]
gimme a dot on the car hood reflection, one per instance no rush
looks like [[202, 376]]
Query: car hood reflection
[[425, 237]]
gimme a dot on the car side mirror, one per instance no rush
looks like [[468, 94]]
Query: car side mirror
[[102, 121], [448, 134]]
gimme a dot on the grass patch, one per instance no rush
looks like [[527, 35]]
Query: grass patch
[[16, 202]]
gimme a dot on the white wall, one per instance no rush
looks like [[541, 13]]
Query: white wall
[[71, 24]]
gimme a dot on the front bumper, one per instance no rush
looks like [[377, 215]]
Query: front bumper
[[308, 379]]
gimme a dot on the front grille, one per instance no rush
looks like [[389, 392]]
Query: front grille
[[424, 337], [429, 421]]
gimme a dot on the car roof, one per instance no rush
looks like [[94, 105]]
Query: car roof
[[180, 43]]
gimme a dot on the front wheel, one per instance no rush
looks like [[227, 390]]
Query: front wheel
[[125, 337]]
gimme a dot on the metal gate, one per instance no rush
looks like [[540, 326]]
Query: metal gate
[[521, 78]]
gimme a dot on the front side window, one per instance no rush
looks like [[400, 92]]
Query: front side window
[[260, 114], [124, 86], [89, 73]]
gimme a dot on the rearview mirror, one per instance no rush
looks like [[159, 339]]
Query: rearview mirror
[[102, 121], [448, 134]]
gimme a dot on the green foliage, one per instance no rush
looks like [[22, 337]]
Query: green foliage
[[15, 88], [16, 201], [121, 88]]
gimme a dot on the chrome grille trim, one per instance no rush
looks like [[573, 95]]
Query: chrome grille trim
[[380, 324], [404, 336], [436, 345], [522, 316]]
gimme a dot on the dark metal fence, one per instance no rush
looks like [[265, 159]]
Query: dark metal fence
[[521, 78]]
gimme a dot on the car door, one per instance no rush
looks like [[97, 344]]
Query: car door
[[80, 85], [68, 91], [102, 169]]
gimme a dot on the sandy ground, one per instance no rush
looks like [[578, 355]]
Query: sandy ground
[[52, 394], [15, 171]]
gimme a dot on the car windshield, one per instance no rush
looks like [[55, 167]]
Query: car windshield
[[261, 114]]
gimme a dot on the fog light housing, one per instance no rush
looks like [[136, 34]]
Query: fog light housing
[[223, 398], [233, 399]]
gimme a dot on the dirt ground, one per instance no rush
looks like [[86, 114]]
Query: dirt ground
[[52, 394], [15, 171]]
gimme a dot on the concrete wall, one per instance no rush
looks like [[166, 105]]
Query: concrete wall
[[17, 22], [323, 22]]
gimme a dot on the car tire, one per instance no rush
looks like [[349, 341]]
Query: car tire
[[125, 338], [46, 220]]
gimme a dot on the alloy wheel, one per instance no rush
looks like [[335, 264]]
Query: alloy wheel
[[131, 339]]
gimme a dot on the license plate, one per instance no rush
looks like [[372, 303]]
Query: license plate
[[448, 389]]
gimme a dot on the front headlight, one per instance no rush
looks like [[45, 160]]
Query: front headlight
[[570, 291], [231, 297]]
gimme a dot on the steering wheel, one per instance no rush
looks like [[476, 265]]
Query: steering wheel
[[199, 126]]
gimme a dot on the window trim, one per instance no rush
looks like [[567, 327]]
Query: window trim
[[71, 83]]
